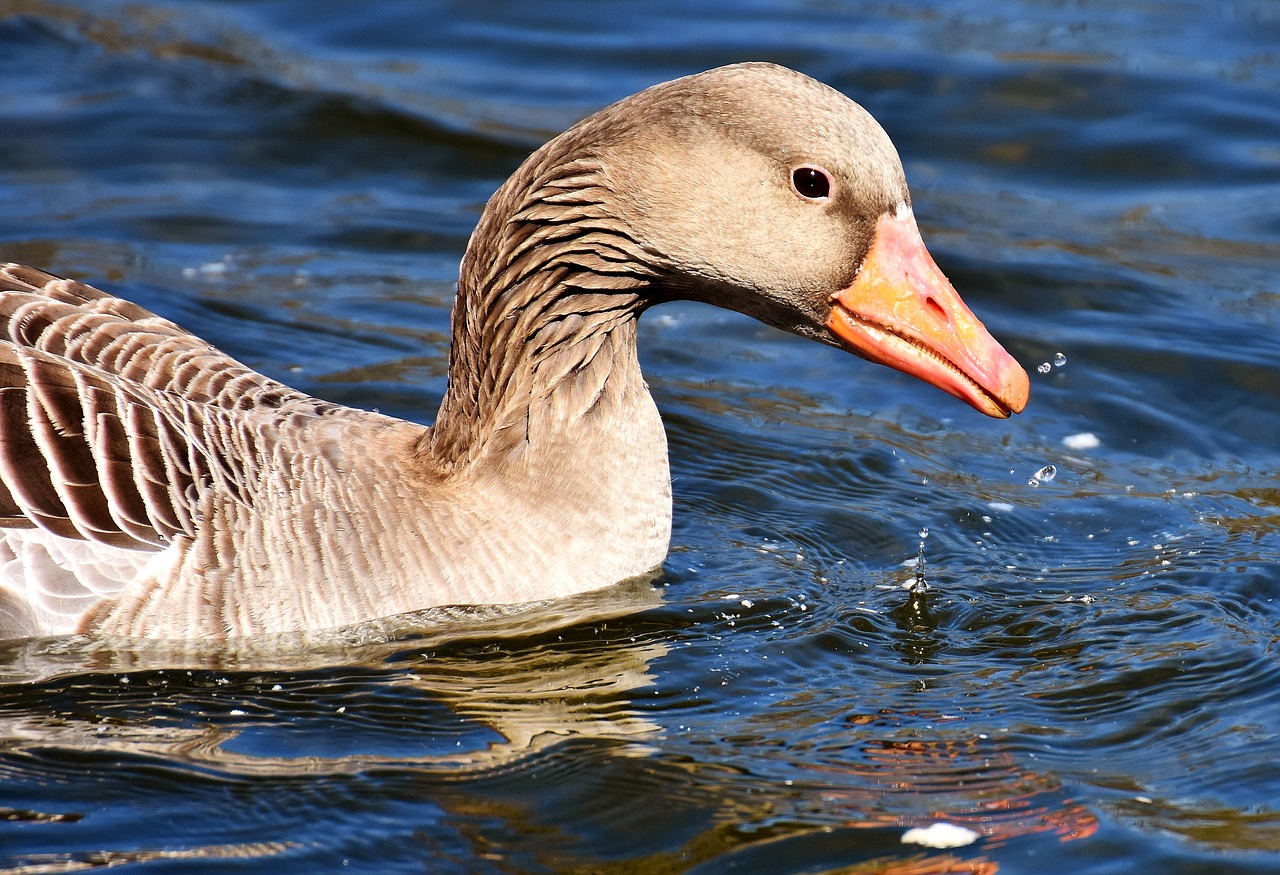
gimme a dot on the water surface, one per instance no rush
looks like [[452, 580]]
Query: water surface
[[1092, 684]]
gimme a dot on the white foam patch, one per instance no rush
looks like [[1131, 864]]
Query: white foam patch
[[940, 835], [1085, 440]]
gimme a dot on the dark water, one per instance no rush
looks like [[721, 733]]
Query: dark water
[[1093, 682]]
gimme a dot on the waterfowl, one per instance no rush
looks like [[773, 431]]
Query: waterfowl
[[151, 486]]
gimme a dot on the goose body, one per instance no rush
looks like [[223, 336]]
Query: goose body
[[151, 486]]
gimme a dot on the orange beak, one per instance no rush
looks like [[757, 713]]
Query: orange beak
[[902, 312]]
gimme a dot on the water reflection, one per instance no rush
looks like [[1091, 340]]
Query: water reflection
[[974, 782], [216, 703], [521, 725], [921, 641]]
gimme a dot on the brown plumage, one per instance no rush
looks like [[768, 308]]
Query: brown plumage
[[152, 486]]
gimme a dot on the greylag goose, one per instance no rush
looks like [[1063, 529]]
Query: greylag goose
[[151, 486]]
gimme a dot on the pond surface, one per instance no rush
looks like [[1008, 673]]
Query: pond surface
[[1092, 682]]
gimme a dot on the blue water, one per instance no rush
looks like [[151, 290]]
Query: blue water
[[1093, 681]]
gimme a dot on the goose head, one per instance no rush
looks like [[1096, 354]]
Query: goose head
[[760, 190]]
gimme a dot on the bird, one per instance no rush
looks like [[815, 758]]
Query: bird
[[153, 487]]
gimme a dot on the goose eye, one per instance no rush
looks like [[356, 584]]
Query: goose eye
[[811, 183]]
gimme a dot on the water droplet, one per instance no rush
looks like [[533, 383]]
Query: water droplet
[[1044, 367], [1048, 472], [1059, 359], [920, 586]]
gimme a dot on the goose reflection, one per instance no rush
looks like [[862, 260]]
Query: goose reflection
[[526, 730], [495, 686]]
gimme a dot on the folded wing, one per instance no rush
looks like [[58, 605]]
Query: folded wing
[[113, 424]]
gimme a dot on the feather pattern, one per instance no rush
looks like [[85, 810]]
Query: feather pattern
[[113, 424], [115, 419]]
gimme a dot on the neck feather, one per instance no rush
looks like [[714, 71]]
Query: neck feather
[[544, 321]]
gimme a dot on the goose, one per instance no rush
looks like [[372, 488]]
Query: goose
[[153, 487]]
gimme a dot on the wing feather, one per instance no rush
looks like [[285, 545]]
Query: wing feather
[[159, 470], [25, 471], [114, 420]]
